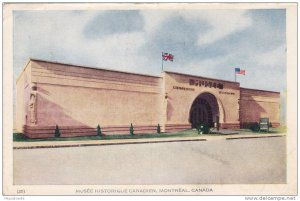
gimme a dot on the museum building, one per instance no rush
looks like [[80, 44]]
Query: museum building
[[77, 99]]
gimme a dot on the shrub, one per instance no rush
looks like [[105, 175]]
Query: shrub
[[270, 125], [131, 129], [158, 129], [255, 127], [99, 130], [57, 131], [202, 128]]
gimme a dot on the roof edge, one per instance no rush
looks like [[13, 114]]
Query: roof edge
[[26, 65], [276, 92], [95, 68]]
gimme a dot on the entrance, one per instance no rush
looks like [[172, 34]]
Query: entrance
[[204, 110]]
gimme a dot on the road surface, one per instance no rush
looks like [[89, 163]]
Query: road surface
[[240, 161]]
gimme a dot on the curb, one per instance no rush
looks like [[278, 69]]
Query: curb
[[142, 142], [252, 137], [105, 144]]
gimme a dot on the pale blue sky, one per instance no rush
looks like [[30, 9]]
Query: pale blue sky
[[204, 42]]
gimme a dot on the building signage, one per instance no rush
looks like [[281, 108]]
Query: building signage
[[227, 93], [183, 88], [203, 83]]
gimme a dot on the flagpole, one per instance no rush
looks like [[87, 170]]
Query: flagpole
[[234, 76], [162, 62]]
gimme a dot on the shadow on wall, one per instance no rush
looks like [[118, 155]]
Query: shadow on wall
[[43, 91], [250, 112], [170, 109], [50, 113]]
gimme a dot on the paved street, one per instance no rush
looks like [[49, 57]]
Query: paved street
[[241, 161]]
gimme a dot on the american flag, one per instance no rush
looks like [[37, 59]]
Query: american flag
[[240, 71]]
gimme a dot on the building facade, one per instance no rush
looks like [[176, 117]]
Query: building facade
[[77, 99]]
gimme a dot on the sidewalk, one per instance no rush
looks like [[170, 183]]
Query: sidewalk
[[58, 144]]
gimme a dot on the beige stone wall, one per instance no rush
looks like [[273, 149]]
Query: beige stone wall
[[181, 96], [255, 104], [23, 86], [79, 106], [78, 96]]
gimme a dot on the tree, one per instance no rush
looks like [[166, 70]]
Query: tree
[[99, 130], [202, 128], [131, 129], [57, 131], [158, 129]]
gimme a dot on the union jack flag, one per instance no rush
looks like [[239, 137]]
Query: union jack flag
[[167, 56]]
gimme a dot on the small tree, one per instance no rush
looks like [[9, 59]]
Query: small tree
[[57, 131], [202, 128], [255, 127], [131, 129], [158, 129], [270, 125], [99, 130]]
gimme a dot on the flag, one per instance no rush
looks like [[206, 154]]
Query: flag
[[167, 56], [240, 71]]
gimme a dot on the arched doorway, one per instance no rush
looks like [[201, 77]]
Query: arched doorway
[[204, 110]]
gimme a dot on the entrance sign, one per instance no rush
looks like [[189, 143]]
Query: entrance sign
[[203, 83]]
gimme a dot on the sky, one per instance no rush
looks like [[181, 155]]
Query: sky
[[208, 43], [204, 42]]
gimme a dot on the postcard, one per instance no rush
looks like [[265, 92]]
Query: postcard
[[150, 99]]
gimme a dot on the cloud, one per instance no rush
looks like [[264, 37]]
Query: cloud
[[204, 42], [273, 58], [154, 18], [176, 34], [210, 67], [269, 70], [60, 36], [118, 51], [45, 34], [114, 22], [223, 23]]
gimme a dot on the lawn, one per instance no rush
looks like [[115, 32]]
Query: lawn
[[19, 137]]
